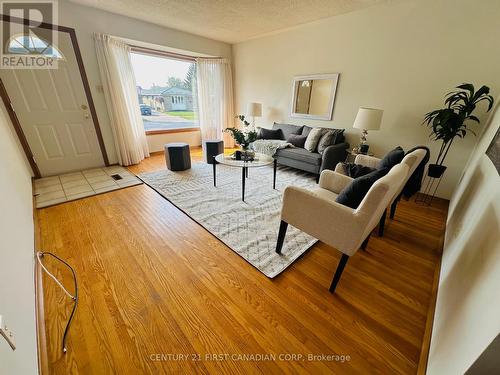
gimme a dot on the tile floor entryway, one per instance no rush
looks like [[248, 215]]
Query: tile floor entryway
[[68, 187]]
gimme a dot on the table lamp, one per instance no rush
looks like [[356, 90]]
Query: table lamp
[[367, 119], [254, 110]]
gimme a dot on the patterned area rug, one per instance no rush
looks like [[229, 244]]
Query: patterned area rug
[[249, 228]]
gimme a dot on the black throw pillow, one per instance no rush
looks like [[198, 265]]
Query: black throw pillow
[[353, 194], [392, 158], [356, 170], [270, 134], [297, 140]]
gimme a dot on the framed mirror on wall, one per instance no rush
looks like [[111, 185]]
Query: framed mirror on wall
[[313, 96]]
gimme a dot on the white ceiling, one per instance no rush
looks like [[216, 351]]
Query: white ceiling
[[230, 21]]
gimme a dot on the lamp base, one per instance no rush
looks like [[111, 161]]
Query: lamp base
[[363, 149]]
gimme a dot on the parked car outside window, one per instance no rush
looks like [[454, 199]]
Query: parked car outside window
[[145, 110]]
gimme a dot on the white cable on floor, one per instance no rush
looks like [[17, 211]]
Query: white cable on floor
[[39, 256]]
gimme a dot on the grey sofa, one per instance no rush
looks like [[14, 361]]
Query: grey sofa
[[302, 159]]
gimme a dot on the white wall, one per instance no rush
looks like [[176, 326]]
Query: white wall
[[467, 314], [401, 56], [17, 291], [86, 21], [158, 141]]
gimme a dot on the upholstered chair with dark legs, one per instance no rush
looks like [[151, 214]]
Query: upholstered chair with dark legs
[[412, 160], [318, 214]]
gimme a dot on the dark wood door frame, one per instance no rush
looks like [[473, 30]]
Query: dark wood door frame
[[86, 88], [19, 130]]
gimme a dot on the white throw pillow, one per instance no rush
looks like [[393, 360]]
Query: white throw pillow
[[313, 139]]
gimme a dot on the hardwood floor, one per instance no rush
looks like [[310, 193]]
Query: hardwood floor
[[154, 285]]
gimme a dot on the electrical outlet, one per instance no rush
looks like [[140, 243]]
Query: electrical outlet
[[7, 334]]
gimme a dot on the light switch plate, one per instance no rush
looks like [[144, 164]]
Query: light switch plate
[[7, 333]]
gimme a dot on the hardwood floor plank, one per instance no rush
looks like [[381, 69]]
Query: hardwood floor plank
[[153, 282]]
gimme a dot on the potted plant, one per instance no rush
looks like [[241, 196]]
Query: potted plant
[[454, 121], [245, 137]]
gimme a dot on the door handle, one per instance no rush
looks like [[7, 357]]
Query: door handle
[[84, 107]]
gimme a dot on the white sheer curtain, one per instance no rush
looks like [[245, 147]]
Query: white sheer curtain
[[215, 99], [120, 92]]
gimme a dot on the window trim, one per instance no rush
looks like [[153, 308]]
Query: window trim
[[169, 131], [158, 53]]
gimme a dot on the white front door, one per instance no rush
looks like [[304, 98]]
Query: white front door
[[53, 111]]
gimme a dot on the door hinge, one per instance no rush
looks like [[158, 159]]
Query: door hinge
[[33, 157], [12, 107]]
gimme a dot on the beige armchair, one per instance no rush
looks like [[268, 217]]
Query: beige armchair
[[316, 213], [412, 160]]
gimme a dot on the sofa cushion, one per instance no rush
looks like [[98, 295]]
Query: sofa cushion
[[297, 140], [313, 138], [287, 129], [299, 154], [391, 158], [329, 138], [299, 164], [353, 194], [270, 134]]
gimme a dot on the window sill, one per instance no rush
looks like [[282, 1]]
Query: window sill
[[170, 131]]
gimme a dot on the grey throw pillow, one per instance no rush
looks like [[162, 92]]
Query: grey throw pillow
[[329, 138], [306, 130], [313, 138]]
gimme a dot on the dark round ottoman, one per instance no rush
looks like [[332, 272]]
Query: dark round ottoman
[[177, 156], [212, 148]]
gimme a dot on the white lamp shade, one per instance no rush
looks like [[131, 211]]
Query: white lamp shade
[[254, 109], [368, 118]]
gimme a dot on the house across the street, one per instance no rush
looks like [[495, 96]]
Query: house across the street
[[166, 99]]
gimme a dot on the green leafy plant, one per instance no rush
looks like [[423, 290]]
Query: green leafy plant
[[454, 121], [243, 138], [242, 119]]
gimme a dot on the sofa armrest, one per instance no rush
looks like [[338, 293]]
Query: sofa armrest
[[333, 181], [366, 160], [332, 155], [331, 222]]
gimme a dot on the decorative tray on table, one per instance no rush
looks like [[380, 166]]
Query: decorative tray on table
[[243, 155]]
